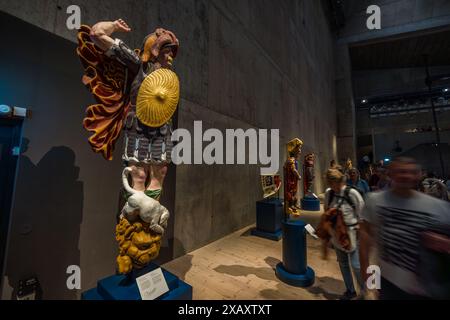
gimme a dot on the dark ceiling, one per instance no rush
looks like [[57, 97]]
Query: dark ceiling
[[405, 52]]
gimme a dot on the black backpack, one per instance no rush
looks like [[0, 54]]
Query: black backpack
[[346, 196], [346, 199]]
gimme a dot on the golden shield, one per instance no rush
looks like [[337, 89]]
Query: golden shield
[[158, 98]]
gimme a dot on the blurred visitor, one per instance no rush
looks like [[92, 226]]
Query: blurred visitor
[[384, 181], [343, 205], [397, 221], [336, 166], [333, 164], [374, 178], [434, 187], [348, 165], [356, 182], [369, 173], [365, 168]]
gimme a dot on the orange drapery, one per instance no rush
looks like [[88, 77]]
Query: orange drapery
[[105, 78]]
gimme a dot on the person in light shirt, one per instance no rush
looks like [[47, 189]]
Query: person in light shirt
[[396, 222]]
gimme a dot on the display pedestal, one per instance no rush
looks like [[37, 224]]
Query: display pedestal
[[269, 213], [294, 270], [124, 287], [310, 203]]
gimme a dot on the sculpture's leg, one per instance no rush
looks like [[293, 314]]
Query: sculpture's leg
[[139, 175], [158, 174], [296, 206]]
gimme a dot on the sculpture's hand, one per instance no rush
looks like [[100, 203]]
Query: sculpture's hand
[[121, 26], [101, 32]]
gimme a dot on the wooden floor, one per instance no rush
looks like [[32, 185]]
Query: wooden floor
[[241, 266]]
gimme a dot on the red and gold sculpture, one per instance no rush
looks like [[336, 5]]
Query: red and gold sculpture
[[136, 93], [292, 177], [308, 175]]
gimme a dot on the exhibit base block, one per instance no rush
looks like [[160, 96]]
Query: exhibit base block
[[275, 236], [310, 203], [124, 287], [269, 214], [297, 280], [294, 270]]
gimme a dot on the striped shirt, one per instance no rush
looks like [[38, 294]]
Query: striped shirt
[[399, 223]]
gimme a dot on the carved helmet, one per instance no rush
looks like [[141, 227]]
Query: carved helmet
[[157, 40], [294, 146]]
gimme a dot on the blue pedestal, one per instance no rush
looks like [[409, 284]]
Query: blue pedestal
[[275, 236], [121, 287], [269, 213], [294, 270], [310, 204]]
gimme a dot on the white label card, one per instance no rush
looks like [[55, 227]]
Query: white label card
[[152, 285], [311, 231]]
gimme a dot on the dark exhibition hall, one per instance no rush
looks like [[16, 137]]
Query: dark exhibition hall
[[213, 150]]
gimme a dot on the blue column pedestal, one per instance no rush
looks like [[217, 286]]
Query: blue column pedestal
[[310, 203], [121, 287], [269, 213], [294, 270]]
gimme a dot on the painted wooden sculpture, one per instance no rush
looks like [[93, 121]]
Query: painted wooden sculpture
[[137, 93], [308, 175], [292, 178]]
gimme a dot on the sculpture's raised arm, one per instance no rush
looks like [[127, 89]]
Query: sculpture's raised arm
[[101, 32]]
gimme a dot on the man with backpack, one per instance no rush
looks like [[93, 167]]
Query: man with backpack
[[343, 205]]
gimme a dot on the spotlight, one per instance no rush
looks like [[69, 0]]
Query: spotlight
[[5, 110], [364, 101], [445, 90]]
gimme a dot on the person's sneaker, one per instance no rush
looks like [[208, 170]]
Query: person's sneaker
[[348, 295]]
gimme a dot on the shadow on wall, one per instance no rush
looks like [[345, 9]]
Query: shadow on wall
[[46, 222]]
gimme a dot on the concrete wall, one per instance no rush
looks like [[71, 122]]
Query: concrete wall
[[399, 123], [242, 64], [419, 145], [66, 202], [266, 68], [397, 16], [384, 143], [368, 83], [345, 106], [66, 196]]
